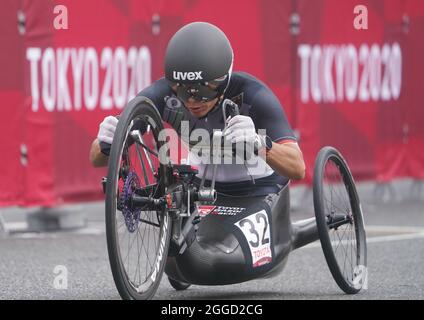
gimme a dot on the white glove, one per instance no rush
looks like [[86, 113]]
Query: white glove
[[107, 129], [242, 129]]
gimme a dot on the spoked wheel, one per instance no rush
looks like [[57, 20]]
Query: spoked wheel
[[137, 237], [339, 220], [177, 285]]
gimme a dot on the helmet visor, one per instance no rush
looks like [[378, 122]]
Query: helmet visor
[[205, 92], [198, 92]]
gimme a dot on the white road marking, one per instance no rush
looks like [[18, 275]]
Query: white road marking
[[395, 233], [401, 233], [396, 237], [16, 226], [394, 229], [20, 230]]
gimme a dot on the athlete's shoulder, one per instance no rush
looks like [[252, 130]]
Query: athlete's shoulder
[[157, 92], [158, 89], [256, 94], [245, 79], [251, 87], [264, 107]]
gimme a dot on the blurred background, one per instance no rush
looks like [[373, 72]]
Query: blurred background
[[346, 79]]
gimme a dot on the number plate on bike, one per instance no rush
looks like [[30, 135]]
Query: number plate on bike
[[256, 230]]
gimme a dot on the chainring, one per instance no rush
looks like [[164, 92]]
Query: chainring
[[131, 215]]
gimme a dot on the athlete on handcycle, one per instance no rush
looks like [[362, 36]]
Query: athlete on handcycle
[[200, 92], [198, 71]]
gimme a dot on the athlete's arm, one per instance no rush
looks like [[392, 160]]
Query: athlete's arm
[[287, 160], [104, 139], [155, 92], [285, 156], [97, 158]]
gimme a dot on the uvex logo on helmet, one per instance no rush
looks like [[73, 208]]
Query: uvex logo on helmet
[[196, 75]]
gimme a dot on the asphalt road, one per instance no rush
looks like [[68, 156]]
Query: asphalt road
[[395, 230]]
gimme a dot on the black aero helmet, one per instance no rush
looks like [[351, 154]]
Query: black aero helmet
[[199, 61]]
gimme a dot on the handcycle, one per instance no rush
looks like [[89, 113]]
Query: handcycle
[[159, 220]]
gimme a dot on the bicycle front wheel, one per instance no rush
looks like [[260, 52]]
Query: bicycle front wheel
[[137, 237]]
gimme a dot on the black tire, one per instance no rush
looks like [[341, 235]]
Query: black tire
[[157, 222], [340, 221], [177, 285]]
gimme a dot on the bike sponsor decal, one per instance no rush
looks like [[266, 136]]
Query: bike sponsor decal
[[256, 230], [205, 210], [219, 210], [196, 75], [228, 211], [159, 257]]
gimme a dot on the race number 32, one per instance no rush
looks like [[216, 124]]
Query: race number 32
[[256, 230]]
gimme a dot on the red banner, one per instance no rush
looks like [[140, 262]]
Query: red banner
[[358, 90]]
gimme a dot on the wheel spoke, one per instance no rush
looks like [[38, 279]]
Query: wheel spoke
[[140, 158], [146, 250], [130, 247], [149, 223], [138, 261], [338, 208]]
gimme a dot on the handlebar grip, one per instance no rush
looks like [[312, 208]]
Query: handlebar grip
[[230, 109]]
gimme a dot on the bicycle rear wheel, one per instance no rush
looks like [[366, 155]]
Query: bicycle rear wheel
[[340, 221], [137, 237]]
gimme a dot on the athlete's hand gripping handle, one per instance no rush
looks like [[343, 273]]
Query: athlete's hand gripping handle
[[107, 129]]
